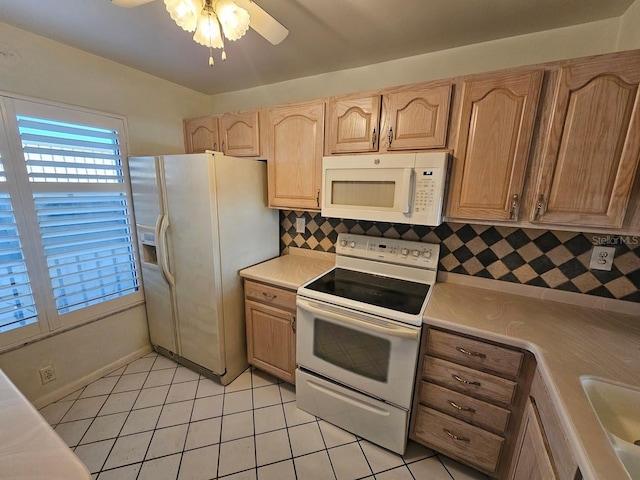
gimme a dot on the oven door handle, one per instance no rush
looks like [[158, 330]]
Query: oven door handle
[[395, 331]]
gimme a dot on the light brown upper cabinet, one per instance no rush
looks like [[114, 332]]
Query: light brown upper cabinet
[[201, 134], [407, 118], [295, 135], [496, 122], [235, 134], [354, 123], [592, 149], [416, 118], [240, 134]]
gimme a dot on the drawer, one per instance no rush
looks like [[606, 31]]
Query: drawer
[[463, 407], [469, 381], [277, 297], [471, 445], [474, 353]]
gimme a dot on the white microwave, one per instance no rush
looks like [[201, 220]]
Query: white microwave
[[397, 188]]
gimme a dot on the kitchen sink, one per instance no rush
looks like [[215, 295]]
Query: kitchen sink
[[618, 409]]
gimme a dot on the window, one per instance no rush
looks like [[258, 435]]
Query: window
[[72, 182]]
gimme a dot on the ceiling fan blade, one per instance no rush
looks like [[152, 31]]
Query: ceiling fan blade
[[130, 3], [263, 23]]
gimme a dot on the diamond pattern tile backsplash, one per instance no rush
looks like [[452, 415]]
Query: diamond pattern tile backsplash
[[551, 259]]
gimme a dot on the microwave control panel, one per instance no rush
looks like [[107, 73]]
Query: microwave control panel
[[428, 194]]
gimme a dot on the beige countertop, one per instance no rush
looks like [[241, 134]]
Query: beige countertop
[[291, 270], [568, 342], [35, 450]]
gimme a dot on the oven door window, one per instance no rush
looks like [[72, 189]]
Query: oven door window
[[361, 353]]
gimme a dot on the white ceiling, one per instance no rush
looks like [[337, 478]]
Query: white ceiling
[[325, 35]]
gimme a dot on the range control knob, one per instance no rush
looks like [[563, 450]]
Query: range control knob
[[352, 244], [343, 243], [415, 253], [404, 252], [426, 254]]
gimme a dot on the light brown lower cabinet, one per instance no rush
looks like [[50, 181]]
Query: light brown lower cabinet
[[270, 314], [542, 450]]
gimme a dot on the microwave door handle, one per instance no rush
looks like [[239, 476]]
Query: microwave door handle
[[391, 331], [407, 181]]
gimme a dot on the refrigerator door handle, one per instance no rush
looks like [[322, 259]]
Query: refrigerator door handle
[[164, 256]]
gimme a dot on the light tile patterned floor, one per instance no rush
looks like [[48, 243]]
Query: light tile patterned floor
[[155, 420]]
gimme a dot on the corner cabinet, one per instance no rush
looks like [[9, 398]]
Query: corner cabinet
[[542, 450], [592, 149], [270, 314], [201, 134], [294, 147], [496, 123], [407, 118]]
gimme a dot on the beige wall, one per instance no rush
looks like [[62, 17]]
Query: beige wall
[[629, 36], [570, 42], [78, 356], [52, 71]]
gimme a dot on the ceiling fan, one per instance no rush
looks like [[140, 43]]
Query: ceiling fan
[[205, 17]]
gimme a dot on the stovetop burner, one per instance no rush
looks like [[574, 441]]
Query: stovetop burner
[[392, 293]]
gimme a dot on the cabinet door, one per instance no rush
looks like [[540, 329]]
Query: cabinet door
[[497, 118], [532, 460], [416, 119], [354, 124], [240, 134], [593, 147], [295, 134], [271, 340], [201, 134]]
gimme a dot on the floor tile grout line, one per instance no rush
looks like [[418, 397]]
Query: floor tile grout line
[[326, 448]]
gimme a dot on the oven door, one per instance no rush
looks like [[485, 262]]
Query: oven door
[[365, 352]]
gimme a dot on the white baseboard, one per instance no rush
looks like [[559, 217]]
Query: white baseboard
[[87, 379]]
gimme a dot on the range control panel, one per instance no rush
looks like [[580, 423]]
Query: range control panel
[[401, 252]]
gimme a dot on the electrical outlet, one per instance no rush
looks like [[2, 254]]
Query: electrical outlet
[[602, 258], [47, 374], [300, 224]]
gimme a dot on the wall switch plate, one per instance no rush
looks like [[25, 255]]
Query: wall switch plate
[[300, 224], [602, 258], [47, 374]]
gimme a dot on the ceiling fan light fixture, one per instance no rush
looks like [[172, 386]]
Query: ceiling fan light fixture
[[185, 12], [233, 19], [208, 30]]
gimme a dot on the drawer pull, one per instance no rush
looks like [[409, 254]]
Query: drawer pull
[[269, 296], [462, 380], [462, 409], [455, 437], [471, 354]]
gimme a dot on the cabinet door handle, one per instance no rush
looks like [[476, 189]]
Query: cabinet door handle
[[539, 207], [515, 203], [374, 137], [269, 296], [471, 354], [455, 437], [462, 409], [223, 147], [293, 323], [318, 198], [390, 135], [215, 146], [462, 380]]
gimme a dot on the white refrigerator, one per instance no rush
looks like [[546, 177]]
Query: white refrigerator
[[200, 218]]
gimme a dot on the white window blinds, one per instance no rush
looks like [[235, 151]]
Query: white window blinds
[[83, 210], [17, 306]]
